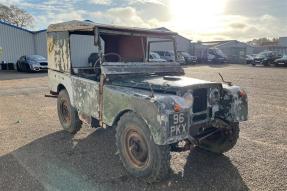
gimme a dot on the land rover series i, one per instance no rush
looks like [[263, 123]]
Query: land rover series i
[[102, 76]]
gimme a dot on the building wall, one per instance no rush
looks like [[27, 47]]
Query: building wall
[[81, 48], [235, 55], [200, 51], [15, 42], [182, 44], [40, 42], [236, 51], [283, 41]]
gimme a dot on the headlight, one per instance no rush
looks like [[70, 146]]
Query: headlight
[[188, 99], [214, 96]]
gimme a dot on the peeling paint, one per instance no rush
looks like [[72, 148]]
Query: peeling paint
[[158, 98]]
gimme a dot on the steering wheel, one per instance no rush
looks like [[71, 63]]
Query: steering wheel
[[108, 54]]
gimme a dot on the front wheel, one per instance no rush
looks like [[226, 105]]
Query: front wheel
[[68, 115], [140, 155], [223, 140], [18, 67]]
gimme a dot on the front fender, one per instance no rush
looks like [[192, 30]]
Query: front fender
[[234, 104], [153, 110]]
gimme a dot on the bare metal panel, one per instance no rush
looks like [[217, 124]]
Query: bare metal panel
[[59, 51]]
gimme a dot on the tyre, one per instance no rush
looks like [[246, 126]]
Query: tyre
[[67, 114], [267, 63], [27, 68], [141, 157], [222, 141], [18, 67]]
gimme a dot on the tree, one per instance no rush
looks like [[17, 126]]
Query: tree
[[16, 16], [263, 41]]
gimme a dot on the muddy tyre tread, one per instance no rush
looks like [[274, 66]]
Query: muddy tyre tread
[[76, 123], [160, 167]]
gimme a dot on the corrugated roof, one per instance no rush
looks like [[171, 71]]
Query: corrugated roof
[[20, 28]]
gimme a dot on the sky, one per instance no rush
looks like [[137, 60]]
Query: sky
[[202, 20]]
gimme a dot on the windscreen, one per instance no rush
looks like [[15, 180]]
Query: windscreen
[[36, 57]]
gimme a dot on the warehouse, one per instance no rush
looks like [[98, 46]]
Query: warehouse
[[16, 42], [182, 43], [234, 50]]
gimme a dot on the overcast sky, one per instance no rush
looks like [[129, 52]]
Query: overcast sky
[[195, 19]]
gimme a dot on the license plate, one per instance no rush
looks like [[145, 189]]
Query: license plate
[[178, 124]]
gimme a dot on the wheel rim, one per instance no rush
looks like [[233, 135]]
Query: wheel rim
[[65, 112], [136, 148]]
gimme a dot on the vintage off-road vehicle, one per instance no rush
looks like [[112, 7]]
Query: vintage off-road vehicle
[[102, 76]]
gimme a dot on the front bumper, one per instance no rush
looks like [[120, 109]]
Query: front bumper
[[232, 108], [39, 68]]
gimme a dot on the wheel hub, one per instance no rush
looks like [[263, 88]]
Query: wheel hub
[[136, 148]]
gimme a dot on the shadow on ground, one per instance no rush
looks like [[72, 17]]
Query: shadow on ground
[[12, 75], [59, 162]]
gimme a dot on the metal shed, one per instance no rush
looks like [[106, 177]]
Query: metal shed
[[234, 50], [16, 41]]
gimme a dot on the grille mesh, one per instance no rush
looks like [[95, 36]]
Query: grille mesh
[[200, 100]]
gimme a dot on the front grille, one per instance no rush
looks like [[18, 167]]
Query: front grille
[[44, 64], [200, 100], [200, 117]]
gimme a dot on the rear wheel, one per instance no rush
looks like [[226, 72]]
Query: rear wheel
[[140, 155], [18, 67], [68, 115], [27, 68], [222, 141]]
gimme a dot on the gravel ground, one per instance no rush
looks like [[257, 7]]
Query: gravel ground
[[35, 154]]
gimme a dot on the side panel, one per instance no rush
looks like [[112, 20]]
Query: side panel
[[85, 95], [58, 46], [56, 78], [118, 99]]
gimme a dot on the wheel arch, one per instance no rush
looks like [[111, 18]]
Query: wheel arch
[[119, 115], [156, 132], [60, 87]]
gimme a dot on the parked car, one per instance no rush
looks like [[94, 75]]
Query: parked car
[[250, 58], [188, 59], [152, 107], [216, 56], [265, 58], [31, 63], [180, 59], [166, 55], [281, 61], [155, 57]]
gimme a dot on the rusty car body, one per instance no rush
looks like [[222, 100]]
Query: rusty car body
[[122, 80]]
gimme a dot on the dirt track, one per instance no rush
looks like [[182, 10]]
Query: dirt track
[[35, 154]]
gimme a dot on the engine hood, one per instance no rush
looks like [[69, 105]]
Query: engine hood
[[165, 84]]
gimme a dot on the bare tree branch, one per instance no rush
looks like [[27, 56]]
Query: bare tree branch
[[16, 16]]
